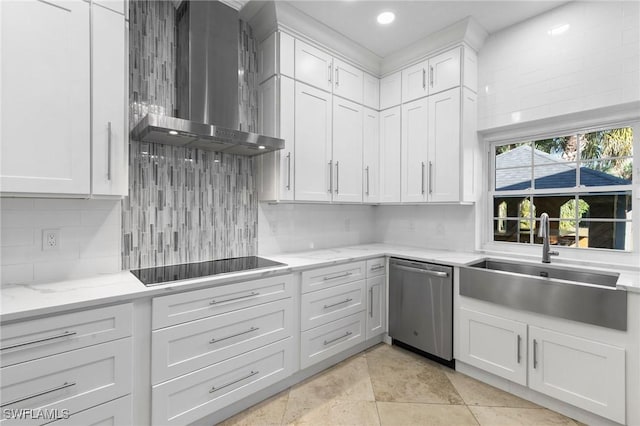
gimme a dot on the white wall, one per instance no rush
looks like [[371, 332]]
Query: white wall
[[90, 235], [445, 227], [286, 228], [525, 73]]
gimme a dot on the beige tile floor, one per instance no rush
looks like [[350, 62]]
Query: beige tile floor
[[387, 385]]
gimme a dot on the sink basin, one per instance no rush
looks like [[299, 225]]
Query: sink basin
[[570, 293], [546, 271]]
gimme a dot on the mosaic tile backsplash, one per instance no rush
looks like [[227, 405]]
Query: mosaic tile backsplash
[[184, 205]]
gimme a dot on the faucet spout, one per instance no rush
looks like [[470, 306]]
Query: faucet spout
[[544, 234]]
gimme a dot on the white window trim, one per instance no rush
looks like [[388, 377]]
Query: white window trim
[[627, 115]]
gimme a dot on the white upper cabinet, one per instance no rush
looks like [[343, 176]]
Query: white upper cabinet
[[347, 151], [313, 66], [443, 153], [45, 97], [414, 151], [276, 56], [371, 92], [371, 156], [109, 128], [348, 81], [117, 6], [444, 71], [313, 162], [391, 90], [390, 142], [415, 81]]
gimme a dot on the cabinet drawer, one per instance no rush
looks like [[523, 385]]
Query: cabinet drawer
[[330, 339], [330, 304], [192, 396], [376, 267], [330, 276], [193, 305], [28, 340], [117, 412], [186, 347], [73, 381]]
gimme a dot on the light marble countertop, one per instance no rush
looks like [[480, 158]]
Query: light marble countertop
[[30, 300]]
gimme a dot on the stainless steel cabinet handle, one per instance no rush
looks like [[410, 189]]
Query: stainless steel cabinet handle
[[252, 329], [371, 302], [439, 274], [109, 151], [45, 339], [422, 165], [337, 176], [518, 350], [535, 354], [431, 76], [377, 267], [214, 388], [215, 302], [329, 66], [337, 76], [424, 78], [346, 274], [289, 171], [330, 176], [328, 342], [430, 177], [367, 171], [336, 304], [44, 392]]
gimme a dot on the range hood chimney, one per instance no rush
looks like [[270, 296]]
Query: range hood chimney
[[207, 86]]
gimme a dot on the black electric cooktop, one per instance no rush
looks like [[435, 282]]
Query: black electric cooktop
[[166, 274]]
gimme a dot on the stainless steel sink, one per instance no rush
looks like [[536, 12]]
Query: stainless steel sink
[[546, 271], [571, 293]]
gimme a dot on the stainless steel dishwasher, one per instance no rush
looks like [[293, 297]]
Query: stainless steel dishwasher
[[421, 306]]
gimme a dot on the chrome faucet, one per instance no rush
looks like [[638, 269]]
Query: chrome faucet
[[544, 234]]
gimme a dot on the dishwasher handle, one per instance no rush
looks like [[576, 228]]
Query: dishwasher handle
[[438, 274]]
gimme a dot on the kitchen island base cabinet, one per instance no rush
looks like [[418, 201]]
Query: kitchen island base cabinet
[[190, 397]]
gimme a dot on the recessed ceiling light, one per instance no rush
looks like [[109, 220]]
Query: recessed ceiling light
[[173, 132], [385, 18]]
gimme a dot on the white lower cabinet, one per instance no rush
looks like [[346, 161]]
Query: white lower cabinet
[[376, 306], [113, 413], [494, 344], [190, 397], [330, 339], [323, 306], [581, 372]]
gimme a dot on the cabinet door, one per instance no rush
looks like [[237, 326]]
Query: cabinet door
[[494, 344], [390, 142], [347, 81], [110, 136], [347, 151], [414, 82], [371, 92], [414, 151], [578, 371], [313, 165], [444, 71], [45, 97], [371, 157], [443, 180], [313, 66], [391, 90], [376, 306]]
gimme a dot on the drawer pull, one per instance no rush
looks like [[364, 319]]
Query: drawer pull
[[214, 389], [57, 388], [215, 302], [234, 335], [346, 274], [328, 342], [336, 304], [371, 302], [377, 267], [59, 336]]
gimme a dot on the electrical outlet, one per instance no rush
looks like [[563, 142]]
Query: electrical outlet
[[50, 239]]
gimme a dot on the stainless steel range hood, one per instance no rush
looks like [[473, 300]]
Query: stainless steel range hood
[[207, 87]]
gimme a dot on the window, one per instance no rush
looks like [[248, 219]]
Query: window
[[583, 181]]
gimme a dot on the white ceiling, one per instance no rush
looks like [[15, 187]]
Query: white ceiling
[[356, 19]]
